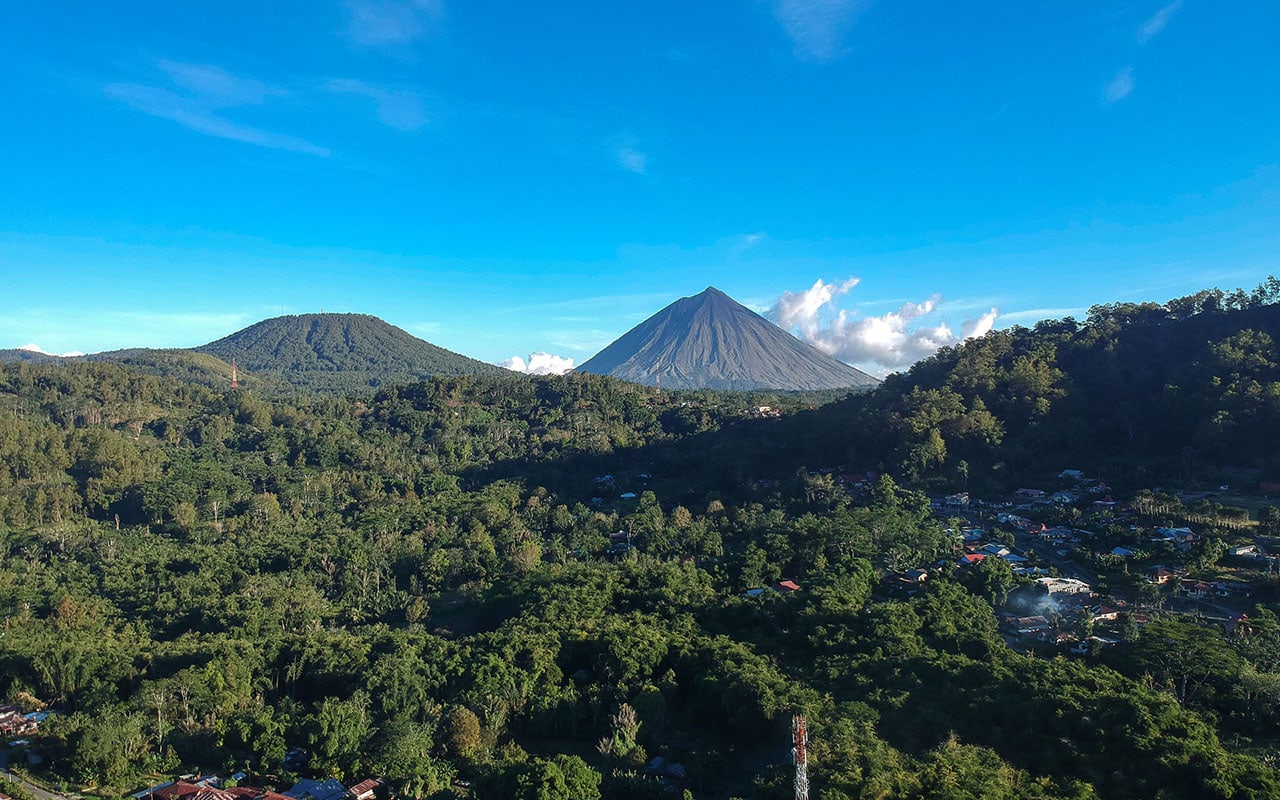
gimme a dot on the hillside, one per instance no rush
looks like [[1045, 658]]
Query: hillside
[[343, 578], [16, 354], [711, 341], [339, 352], [1184, 389]]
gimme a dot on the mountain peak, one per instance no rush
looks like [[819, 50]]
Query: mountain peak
[[711, 341], [340, 351]]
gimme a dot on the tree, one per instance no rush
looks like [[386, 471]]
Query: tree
[[340, 729], [462, 729]]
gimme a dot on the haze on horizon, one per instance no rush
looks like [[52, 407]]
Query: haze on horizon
[[878, 178]]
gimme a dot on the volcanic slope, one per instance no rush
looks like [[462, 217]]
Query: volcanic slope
[[340, 352], [710, 341]]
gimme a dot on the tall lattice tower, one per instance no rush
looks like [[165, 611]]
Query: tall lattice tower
[[800, 752], [235, 384]]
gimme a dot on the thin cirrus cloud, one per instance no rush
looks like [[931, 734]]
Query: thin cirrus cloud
[[199, 100], [631, 159], [890, 341], [399, 109], [380, 23], [1157, 22], [1121, 84], [1119, 87], [817, 28]]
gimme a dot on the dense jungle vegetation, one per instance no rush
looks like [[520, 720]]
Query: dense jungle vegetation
[[534, 586]]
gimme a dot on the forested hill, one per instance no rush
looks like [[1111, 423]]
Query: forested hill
[[196, 579], [340, 353], [1140, 391]]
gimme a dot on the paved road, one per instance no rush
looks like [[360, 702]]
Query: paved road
[[35, 791]]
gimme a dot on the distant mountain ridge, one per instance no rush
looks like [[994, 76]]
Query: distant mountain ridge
[[710, 341], [336, 352]]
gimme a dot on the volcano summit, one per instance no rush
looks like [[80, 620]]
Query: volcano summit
[[710, 341]]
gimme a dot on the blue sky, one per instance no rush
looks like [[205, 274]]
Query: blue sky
[[503, 179]]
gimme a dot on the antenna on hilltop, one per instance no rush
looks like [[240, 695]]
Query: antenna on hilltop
[[799, 751]]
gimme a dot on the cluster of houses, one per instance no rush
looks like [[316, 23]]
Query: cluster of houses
[[778, 587], [213, 787], [976, 549], [15, 723], [1052, 610]]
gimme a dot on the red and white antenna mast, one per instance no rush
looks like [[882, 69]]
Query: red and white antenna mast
[[800, 751], [235, 384]]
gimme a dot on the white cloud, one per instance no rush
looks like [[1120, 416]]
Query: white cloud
[[977, 328], [1119, 87], [800, 310], [1157, 22], [893, 340], [399, 109], [32, 347], [206, 92], [376, 23], [817, 27], [539, 363]]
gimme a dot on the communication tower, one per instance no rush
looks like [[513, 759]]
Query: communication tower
[[235, 384], [800, 752]]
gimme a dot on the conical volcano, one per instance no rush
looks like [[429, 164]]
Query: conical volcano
[[710, 341]]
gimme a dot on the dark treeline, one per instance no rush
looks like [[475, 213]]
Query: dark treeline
[[536, 585], [1140, 392]]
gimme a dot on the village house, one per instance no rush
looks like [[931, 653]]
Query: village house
[[318, 790], [1028, 626], [1230, 588], [1064, 586], [1190, 587], [14, 723], [364, 790], [1183, 538], [1103, 613]]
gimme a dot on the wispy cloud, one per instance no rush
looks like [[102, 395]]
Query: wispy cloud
[[1037, 314], [217, 87], [376, 23], [584, 340], [396, 108], [206, 91], [539, 363], [817, 27], [891, 341], [1119, 87], [631, 159], [1157, 22], [111, 329]]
